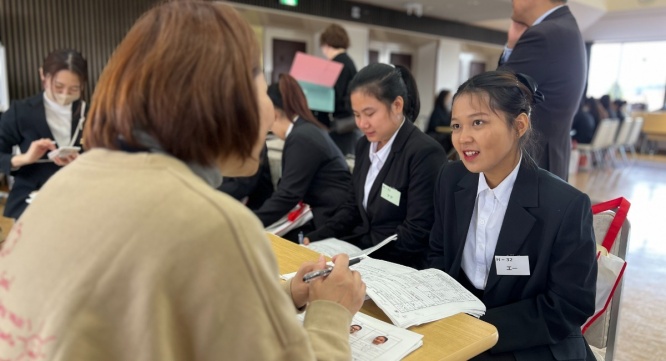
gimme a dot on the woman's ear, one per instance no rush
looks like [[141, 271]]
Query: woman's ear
[[522, 124], [397, 106]]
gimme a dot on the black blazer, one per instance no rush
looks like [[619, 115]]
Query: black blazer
[[257, 188], [342, 104], [23, 123], [313, 171], [411, 169], [553, 53], [538, 317]]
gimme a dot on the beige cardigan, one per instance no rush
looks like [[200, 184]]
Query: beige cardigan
[[133, 257]]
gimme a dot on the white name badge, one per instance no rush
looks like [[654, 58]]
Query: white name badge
[[512, 265], [391, 194]]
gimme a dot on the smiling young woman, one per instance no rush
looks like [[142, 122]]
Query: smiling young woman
[[495, 202]]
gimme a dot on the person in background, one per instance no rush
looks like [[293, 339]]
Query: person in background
[[252, 191], [513, 234], [395, 170], [43, 123], [334, 42], [619, 107], [313, 168], [544, 42], [441, 117], [596, 110], [130, 253], [583, 124], [606, 102]]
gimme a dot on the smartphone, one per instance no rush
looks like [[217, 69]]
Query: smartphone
[[63, 152]]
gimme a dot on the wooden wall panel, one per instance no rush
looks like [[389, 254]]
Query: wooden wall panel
[[30, 29]]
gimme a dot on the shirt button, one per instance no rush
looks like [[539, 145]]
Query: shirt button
[[482, 222]]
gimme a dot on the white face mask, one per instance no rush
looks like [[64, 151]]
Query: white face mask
[[66, 99]]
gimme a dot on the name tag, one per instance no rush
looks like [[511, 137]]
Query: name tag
[[512, 265], [391, 194]]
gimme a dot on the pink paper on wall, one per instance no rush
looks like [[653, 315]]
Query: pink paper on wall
[[315, 70]]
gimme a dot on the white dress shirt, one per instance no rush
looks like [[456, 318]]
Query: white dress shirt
[[484, 228], [59, 119], [377, 160]]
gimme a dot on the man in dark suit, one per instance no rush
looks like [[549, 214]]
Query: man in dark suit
[[544, 42]]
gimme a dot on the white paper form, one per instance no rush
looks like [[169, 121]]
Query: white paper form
[[419, 297]]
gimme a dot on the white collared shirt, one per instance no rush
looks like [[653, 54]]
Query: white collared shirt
[[507, 50], [291, 127], [485, 227], [377, 160], [59, 120]]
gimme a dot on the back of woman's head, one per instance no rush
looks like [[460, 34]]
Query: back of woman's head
[[66, 59], [185, 75], [386, 83], [441, 98], [288, 97], [335, 36], [508, 94]]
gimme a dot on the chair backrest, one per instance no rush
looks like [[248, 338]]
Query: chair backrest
[[624, 132], [635, 131], [604, 135], [602, 333]]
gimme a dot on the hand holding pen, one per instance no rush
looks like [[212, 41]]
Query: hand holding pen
[[326, 271], [341, 285]]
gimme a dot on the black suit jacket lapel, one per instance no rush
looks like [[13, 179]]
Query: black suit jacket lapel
[[363, 159], [396, 148], [465, 199], [38, 117], [518, 221]]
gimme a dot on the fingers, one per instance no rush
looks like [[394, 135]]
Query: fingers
[[306, 241]]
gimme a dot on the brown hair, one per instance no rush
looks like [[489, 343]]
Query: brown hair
[[184, 74], [335, 36], [67, 59], [288, 96]]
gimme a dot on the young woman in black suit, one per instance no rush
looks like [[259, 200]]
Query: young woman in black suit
[[395, 171], [42, 123], [515, 235], [313, 168]]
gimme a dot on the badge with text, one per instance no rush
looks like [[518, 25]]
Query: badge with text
[[391, 194], [512, 265]]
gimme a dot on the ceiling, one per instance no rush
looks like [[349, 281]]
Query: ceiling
[[599, 20]]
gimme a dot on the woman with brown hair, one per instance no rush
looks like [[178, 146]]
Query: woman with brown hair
[[40, 124], [313, 168], [130, 253]]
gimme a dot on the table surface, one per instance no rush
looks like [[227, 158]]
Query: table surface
[[459, 337]]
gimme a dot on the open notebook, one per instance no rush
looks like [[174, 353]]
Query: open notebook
[[408, 297]]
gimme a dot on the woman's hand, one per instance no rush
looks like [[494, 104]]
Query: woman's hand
[[300, 291], [342, 286], [36, 151], [63, 161]]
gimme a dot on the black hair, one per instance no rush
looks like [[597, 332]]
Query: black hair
[[439, 101], [386, 83], [510, 94]]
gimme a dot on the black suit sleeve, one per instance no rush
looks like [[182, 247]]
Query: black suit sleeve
[[528, 55], [569, 295], [413, 231], [9, 137], [436, 249], [301, 160], [241, 187]]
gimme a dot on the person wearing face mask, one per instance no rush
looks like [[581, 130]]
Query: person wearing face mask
[[43, 123]]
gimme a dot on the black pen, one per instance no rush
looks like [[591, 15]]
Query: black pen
[[324, 272]]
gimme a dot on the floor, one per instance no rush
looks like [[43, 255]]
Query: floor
[[642, 330], [641, 335]]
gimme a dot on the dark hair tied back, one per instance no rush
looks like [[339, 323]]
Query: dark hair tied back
[[386, 82], [531, 85]]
